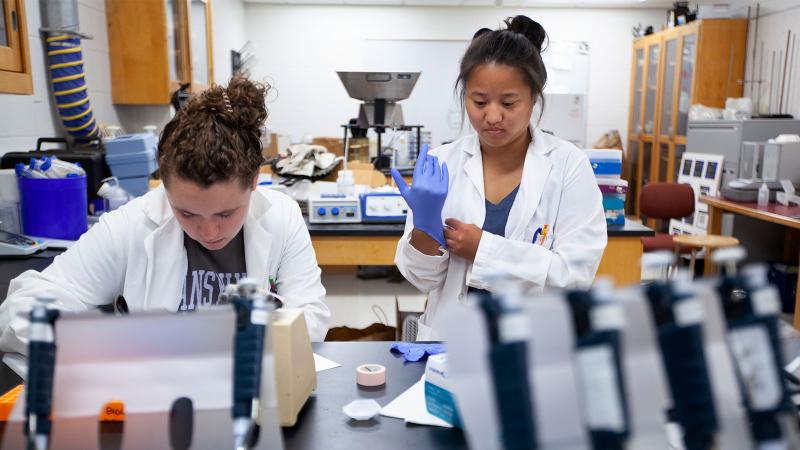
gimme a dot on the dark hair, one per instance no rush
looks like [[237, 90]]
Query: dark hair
[[519, 45], [216, 135]]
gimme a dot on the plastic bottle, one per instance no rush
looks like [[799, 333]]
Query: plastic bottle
[[114, 194], [763, 194]]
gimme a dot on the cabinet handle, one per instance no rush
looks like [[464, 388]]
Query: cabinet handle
[[14, 20]]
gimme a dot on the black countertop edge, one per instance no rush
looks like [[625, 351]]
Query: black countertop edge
[[630, 229]]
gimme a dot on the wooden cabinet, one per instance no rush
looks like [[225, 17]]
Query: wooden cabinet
[[698, 63], [157, 45], [15, 61]]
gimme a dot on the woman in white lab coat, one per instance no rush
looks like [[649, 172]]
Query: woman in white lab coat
[[518, 204], [178, 246]]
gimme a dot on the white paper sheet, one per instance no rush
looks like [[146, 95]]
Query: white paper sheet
[[410, 406], [322, 363]]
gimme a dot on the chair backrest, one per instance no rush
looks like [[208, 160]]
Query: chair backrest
[[667, 200]]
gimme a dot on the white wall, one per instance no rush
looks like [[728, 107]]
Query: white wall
[[772, 31], [299, 48], [23, 118], [228, 33]]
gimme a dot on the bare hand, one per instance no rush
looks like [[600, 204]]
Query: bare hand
[[462, 238]]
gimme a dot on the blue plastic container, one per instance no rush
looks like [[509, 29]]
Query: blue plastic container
[[132, 158], [54, 207], [135, 186], [606, 167]]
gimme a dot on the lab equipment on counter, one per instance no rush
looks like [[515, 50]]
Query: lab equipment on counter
[[132, 158], [361, 409], [12, 244], [380, 93], [706, 404], [508, 359], [614, 191], [725, 138], [334, 208], [599, 324], [606, 163], [114, 194], [54, 207], [252, 319], [543, 324], [752, 307], [383, 205], [371, 375], [39, 382], [439, 399], [91, 159]]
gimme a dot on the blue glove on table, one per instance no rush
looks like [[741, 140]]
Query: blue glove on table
[[427, 194], [414, 352]]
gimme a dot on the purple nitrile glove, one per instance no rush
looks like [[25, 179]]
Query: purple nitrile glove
[[427, 194], [414, 351]]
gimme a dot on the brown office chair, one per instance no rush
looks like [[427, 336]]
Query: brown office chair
[[665, 201], [675, 201]]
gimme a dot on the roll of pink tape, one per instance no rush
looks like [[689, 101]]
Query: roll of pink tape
[[370, 375]]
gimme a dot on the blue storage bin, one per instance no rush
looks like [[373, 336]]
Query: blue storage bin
[[606, 167], [135, 186], [54, 207], [130, 143], [613, 202], [130, 165], [615, 217], [132, 158]]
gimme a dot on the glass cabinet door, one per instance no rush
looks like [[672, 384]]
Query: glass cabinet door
[[636, 126], [679, 150], [199, 40], [3, 27], [670, 63], [687, 73], [651, 89], [176, 48], [10, 55], [662, 163], [633, 176]]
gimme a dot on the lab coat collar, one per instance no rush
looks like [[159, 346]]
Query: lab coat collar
[[257, 240], [535, 172], [158, 209]]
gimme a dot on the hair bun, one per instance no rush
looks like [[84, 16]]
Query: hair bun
[[529, 28], [247, 101]]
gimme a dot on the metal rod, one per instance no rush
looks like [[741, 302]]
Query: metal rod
[[755, 44], [791, 71], [771, 82], [760, 77], [785, 68]]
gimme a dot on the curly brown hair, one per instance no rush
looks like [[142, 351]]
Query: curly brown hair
[[216, 135]]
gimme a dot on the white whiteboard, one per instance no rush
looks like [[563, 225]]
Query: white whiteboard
[[433, 102]]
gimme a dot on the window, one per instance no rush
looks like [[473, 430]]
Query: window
[[15, 64]]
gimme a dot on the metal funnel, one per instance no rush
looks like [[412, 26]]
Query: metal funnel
[[371, 86]]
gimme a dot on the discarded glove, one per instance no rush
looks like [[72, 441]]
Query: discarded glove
[[415, 352]]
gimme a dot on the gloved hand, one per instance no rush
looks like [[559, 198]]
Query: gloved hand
[[415, 351], [427, 193]]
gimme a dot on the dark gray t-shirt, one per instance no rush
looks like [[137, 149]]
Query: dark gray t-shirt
[[209, 271]]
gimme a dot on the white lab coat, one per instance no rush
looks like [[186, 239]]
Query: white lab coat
[[558, 188], [137, 252]]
